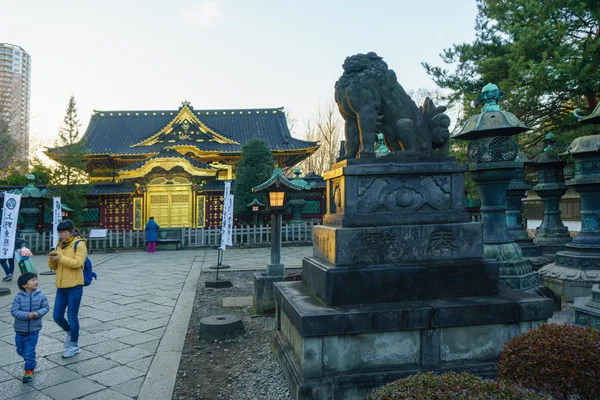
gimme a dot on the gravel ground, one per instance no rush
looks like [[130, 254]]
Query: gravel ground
[[241, 369]]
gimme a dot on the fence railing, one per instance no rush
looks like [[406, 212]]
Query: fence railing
[[245, 235]]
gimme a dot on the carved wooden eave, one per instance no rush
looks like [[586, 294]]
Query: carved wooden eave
[[185, 126], [168, 163]]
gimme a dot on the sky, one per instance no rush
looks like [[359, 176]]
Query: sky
[[218, 54]]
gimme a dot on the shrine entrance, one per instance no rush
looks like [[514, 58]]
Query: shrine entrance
[[170, 202]]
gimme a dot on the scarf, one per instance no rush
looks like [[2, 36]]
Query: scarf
[[65, 243]]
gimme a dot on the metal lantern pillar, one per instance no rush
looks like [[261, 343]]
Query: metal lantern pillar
[[492, 155], [517, 190], [552, 235]]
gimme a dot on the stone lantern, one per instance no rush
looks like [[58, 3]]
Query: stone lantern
[[492, 157], [577, 269], [551, 235], [517, 190], [31, 201], [276, 187]]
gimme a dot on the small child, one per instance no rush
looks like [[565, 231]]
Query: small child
[[29, 306]]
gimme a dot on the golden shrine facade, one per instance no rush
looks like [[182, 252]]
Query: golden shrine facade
[[172, 165]]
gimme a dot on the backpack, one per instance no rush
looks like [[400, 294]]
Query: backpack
[[88, 272]]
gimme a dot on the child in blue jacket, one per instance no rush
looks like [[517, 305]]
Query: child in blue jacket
[[29, 306]]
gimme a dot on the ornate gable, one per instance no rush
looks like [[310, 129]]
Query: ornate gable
[[185, 128]]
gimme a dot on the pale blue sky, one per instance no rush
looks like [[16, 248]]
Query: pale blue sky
[[153, 54]]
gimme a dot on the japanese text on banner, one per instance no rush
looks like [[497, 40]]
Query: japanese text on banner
[[227, 221], [8, 228], [56, 218]]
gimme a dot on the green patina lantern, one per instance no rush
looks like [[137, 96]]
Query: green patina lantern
[[31, 201], [492, 155], [255, 206]]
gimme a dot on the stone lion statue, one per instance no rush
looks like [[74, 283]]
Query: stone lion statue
[[371, 100]]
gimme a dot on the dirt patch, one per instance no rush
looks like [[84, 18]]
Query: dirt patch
[[242, 368]]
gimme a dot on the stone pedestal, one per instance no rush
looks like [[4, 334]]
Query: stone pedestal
[[262, 299], [346, 351], [397, 284], [587, 310]]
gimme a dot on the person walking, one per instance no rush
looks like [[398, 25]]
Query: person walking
[[28, 308], [151, 234], [68, 263]]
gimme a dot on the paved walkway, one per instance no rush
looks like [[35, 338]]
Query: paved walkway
[[133, 321]]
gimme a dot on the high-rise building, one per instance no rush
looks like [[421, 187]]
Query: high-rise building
[[15, 90]]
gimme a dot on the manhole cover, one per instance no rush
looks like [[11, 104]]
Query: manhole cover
[[221, 327]]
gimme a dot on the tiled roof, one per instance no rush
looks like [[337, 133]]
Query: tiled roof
[[216, 186], [115, 132], [110, 188], [168, 153]]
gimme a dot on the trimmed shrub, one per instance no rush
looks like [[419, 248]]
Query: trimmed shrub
[[451, 386], [561, 360]]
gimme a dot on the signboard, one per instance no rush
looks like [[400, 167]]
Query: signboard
[[56, 219], [8, 228], [227, 223]]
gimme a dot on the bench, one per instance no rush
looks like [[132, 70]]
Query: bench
[[169, 239]]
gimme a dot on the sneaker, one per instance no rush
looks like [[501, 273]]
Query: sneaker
[[71, 351], [7, 278], [28, 376], [68, 340]]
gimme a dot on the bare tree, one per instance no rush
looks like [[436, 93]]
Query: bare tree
[[327, 129]]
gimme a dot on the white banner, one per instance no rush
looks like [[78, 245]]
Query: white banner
[[56, 218], [227, 222], [8, 229]]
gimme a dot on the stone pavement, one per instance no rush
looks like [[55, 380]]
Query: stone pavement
[[133, 321]]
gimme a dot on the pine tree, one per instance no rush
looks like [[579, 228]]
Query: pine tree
[[542, 54], [69, 177], [256, 166]]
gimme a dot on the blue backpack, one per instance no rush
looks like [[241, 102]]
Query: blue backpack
[[88, 273]]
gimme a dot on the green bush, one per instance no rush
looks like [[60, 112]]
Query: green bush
[[561, 360], [451, 386]]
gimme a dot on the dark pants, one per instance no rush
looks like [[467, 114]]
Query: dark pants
[[69, 299], [9, 267], [26, 348]]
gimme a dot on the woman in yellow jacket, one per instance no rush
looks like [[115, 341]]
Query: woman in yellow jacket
[[68, 263]]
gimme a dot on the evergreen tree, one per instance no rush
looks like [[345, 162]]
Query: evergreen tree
[[542, 54], [256, 166], [69, 177]]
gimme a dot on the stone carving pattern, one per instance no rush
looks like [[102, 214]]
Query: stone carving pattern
[[379, 247], [380, 195]]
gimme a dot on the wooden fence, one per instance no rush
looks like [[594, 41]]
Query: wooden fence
[[245, 235]]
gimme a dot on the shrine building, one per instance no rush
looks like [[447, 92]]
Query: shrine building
[[172, 164]]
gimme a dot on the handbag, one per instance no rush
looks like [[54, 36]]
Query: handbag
[[27, 265]]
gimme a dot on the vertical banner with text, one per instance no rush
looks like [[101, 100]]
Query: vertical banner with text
[[227, 222], [56, 218], [8, 228]]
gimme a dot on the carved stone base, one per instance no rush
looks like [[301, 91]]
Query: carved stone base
[[587, 310], [344, 352], [552, 243], [528, 248], [569, 283], [518, 275], [581, 258]]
